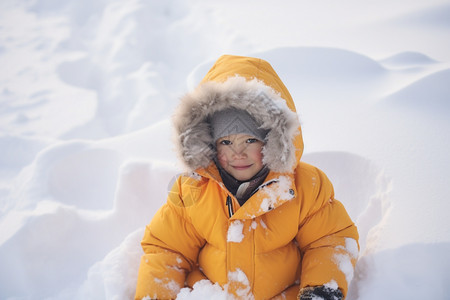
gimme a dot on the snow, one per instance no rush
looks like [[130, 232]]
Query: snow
[[204, 289], [332, 285], [87, 89], [351, 247], [243, 290], [345, 265], [280, 191], [235, 232]]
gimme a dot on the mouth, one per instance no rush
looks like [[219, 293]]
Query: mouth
[[240, 168]]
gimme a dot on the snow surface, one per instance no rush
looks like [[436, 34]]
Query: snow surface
[[86, 93]]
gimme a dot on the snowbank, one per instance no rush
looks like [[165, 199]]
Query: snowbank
[[87, 89]]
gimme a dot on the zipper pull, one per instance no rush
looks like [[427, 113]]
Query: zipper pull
[[230, 206]]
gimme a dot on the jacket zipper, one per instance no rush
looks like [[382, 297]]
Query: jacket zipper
[[230, 206]]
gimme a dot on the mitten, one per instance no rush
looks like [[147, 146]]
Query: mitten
[[320, 292]]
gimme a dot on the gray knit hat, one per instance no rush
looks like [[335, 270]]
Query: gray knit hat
[[233, 121]]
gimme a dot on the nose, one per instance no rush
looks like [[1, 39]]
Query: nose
[[239, 151]]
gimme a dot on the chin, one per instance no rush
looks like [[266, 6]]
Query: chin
[[243, 177]]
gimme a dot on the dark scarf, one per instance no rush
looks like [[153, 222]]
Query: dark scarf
[[242, 190]]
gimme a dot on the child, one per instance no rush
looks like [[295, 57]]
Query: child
[[249, 215]]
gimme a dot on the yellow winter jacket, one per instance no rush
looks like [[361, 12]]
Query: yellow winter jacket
[[292, 233]]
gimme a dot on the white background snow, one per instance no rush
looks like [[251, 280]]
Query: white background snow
[[87, 88]]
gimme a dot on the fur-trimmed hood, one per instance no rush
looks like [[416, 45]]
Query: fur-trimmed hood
[[244, 83]]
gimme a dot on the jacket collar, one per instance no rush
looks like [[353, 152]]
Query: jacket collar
[[277, 189]]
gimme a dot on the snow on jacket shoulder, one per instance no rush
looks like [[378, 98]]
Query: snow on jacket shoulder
[[290, 234]]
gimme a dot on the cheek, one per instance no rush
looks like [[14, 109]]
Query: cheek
[[256, 154], [222, 158]]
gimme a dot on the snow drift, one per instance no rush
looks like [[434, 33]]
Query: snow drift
[[87, 90]]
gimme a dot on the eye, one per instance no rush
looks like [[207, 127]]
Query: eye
[[251, 140], [225, 142]]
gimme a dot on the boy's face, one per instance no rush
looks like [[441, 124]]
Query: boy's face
[[240, 155]]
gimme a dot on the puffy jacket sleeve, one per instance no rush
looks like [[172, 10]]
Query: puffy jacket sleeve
[[171, 245], [327, 237]]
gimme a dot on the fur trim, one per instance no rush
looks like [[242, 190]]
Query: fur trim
[[193, 139]]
